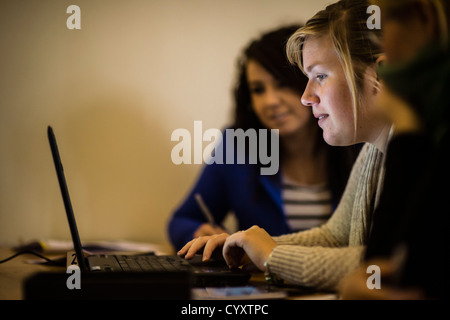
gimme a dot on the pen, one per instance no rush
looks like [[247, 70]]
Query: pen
[[205, 210]]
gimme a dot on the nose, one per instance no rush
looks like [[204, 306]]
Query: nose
[[309, 97], [272, 97]]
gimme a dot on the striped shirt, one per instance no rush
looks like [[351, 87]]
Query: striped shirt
[[305, 206]]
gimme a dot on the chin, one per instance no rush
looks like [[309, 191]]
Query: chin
[[286, 130], [336, 140]]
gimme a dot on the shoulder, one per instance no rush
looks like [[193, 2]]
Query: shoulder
[[368, 157], [368, 161]]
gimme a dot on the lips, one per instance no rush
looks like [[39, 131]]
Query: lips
[[321, 118], [279, 116]]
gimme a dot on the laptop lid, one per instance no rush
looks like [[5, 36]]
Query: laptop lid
[[66, 198], [204, 274]]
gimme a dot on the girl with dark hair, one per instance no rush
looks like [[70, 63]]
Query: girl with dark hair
[[312, 175]]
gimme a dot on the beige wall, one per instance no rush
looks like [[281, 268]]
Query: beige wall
[[114, 92]]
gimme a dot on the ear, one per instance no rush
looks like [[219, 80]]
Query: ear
[[376, 81], [380, 61]]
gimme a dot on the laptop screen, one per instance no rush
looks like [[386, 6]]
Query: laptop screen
[[66, 199]]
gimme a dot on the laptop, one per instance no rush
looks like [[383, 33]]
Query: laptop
[[213, 273]]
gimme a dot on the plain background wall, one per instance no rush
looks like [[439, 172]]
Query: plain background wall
[[114, 92]]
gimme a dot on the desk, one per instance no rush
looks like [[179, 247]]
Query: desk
[[13, 273], [259, 279]]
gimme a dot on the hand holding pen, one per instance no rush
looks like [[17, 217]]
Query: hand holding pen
[[209, 228]]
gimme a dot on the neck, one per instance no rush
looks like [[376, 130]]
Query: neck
[[381, 141]]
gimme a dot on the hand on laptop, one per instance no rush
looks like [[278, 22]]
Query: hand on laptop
[[254, 244], [207, 243]]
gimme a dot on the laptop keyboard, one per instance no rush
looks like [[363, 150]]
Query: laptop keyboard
[[152, 263]]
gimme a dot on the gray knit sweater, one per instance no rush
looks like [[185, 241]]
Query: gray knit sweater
[[321, 256]]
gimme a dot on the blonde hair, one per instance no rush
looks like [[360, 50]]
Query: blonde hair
[[345, 22]]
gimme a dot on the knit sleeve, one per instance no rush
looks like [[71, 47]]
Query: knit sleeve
[[322, 256], [318, 236], [316, 267], [335, 232]]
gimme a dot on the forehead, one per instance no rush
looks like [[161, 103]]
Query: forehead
[[319, 51], [257, 72]]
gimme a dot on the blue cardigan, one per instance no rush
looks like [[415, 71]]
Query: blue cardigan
[[255, 199]]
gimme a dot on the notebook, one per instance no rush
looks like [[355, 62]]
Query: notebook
[[213, 273]]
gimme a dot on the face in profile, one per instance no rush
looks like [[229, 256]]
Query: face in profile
[[327, 92]]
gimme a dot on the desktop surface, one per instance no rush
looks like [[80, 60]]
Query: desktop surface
[[14, 273]]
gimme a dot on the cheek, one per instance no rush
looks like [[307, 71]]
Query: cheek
[[302, 112], [295, 102], [340, 103], [257, 106]]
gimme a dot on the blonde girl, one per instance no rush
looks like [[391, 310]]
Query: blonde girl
[[335, 52]]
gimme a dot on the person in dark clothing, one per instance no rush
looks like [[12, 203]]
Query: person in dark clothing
[[409, 232]]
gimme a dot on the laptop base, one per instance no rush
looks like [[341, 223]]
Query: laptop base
[[111, 285]]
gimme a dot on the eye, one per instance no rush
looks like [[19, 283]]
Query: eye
[[257, 89], [321, 77]]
